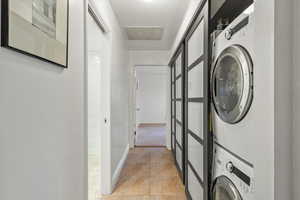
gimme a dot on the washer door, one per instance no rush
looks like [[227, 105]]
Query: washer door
[[224, 189], [232, 82]]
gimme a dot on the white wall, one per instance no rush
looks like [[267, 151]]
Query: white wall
[[42, 131], [151, 94], [145, 58], [283, 99], [296, 99], [193, 5], [119, 87], [264, 77], [42, 138]]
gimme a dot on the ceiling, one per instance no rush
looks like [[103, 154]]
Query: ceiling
[[144, 15]]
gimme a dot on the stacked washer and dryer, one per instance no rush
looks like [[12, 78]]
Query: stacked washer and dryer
[[233, 94]]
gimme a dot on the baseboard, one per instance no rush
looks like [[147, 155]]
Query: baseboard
[[120, 166], [151, 124], [150, 146]]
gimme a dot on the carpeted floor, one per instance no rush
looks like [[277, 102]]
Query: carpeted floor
[[151, 136]]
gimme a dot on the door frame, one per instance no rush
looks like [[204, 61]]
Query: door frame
[[105, 152], [132, 133]]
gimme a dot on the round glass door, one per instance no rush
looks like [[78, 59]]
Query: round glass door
[[232, 83], [225, 190]]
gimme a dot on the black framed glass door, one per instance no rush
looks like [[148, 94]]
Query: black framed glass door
[[179, 135], [191, 135], [197, 144], [173, 101]]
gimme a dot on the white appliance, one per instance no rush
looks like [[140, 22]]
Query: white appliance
[[233, 87], [233, 178]]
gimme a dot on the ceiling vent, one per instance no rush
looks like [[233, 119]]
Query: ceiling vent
[[144, 33]]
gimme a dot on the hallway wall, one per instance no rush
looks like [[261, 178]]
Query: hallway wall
[[42, 139], [283, 99], [296, 99]]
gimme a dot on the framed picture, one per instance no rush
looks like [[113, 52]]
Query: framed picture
[[38, 28]]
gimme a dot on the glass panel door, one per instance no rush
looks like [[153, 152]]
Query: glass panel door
[[196, 107], [173, 124], [179, 139]]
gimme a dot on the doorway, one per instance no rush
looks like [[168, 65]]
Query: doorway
[[97, 62], [151, 106]]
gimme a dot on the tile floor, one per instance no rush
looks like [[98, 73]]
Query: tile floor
[[94, 176], [149, 174]]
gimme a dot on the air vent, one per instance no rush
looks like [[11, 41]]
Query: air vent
[[144, 33]]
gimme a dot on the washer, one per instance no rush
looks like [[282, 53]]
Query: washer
[[233, 87], [233, 178]]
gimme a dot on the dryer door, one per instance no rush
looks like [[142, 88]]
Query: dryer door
[[224, 189], [232, 84]]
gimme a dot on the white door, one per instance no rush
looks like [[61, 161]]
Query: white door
[[151, 94], [97, 58]]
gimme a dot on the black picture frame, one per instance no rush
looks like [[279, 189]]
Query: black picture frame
[[5, 35]]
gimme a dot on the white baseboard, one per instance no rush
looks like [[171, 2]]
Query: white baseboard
[[152, 124], [120, 166]]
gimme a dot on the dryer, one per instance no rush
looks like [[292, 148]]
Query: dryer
[[233, 87], [233, 178]]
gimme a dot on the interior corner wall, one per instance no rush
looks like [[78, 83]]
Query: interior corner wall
[[119, 87], [264, 93], [42, 132], [283, 99], [296, 99]]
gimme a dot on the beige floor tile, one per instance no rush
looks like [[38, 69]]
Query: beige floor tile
[[136, 198], [110, 198], [138, 158], [161, 157], [165, 186], [161, 197], [149, 174], [139, 169], [126, 198], [163, 169], [139, 150], [165, 197], [159, 150], [133, 185]]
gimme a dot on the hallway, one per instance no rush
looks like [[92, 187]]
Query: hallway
[[151, 136], [149, 174]]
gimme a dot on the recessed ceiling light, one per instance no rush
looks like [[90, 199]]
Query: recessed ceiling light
[[147, 0]]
